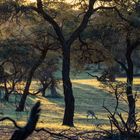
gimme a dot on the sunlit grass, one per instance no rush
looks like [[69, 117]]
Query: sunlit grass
[[88, 96]]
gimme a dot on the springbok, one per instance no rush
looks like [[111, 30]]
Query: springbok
[[91, 113]]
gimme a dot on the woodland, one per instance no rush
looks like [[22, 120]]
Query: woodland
[[69, 69]]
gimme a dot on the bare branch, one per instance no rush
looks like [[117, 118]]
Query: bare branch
[[10, 119]]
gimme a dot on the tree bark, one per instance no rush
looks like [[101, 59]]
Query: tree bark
[[6, 97], [131, 101], [45, 84], [67, 85], [29, 80], [43, 91], [53, 88], [53, 91], [131, 120]]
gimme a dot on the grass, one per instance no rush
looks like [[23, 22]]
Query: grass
[[88, 96]]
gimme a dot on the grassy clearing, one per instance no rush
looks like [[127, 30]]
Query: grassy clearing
[[88, 96]]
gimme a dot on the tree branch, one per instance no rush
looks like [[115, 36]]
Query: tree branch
[[122, 65], [83, 24], [10, 119]]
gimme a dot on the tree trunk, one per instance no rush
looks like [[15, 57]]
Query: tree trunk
[[53, 88], [45, 85], [131, 120], [25, 92], [53, 91], [112, 74], [6, 97], [131, 100], [43, 91], [29, 80], [67, 85]]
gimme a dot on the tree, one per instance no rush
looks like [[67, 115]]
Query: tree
[[42, 44], [13, 60], [66, 46], [129, 69], [46, 75], [131, 32], [36, 40], [44, 78], [66, 43], [126, 29], [11, 79], [118, 32]]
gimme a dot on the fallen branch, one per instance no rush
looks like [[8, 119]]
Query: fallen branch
[[10, 119]]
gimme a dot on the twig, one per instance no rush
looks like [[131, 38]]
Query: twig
[[10, 119]]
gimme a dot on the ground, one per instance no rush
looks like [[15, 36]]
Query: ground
[[89, 95]]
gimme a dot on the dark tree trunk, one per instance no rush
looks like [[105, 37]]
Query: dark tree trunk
[[67, 85], [45, 85], [6, 97], [25, 92], [112, 74], [29, 80], [53, 88], [131, 101], [43, 91], [131, 120], [53, 91]]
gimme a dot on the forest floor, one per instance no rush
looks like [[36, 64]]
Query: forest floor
[[89, 95]]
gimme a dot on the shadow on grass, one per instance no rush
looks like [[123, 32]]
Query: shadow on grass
[[87, 97], [90, 98]]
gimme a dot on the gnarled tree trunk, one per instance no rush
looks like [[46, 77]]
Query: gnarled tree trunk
[[53, 88], [67, 85], [29, 80], [131, 100]]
